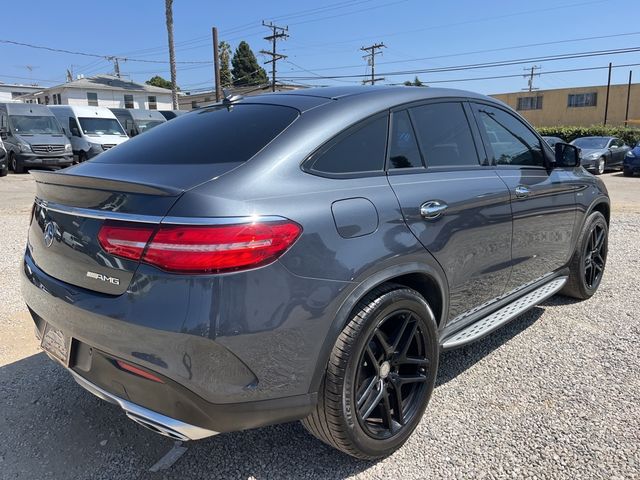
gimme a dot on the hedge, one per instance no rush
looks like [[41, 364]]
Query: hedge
[[631, 136]]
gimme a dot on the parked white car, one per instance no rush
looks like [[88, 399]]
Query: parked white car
[[91, 130]]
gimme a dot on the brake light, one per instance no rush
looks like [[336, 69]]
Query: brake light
[[124, 239], [201, 249], [138, 371]]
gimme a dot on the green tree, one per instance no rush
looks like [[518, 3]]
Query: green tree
[[158, 81], [416, 83], [246, 70], [224, 52]]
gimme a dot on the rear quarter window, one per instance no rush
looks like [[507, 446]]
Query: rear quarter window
[[208, 136]]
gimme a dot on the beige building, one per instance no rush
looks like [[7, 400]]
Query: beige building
[[582, 106]]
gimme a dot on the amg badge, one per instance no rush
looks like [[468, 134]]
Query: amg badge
[[104, 278]]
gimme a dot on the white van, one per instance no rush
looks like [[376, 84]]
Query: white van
[[91, 130]]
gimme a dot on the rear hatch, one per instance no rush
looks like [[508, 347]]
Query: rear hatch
[[138, 183]]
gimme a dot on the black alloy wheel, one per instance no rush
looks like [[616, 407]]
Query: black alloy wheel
[[391, 377], [595, 255]]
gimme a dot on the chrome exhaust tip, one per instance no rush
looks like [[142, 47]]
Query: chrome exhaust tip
[[154, 421]]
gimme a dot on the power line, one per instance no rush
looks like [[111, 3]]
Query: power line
[[502, 63]]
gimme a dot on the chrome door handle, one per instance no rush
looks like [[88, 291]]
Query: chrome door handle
[[522, 191], [432, 209]]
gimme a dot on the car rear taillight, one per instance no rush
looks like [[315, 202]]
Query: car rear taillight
[[201, 249], [125, 240]]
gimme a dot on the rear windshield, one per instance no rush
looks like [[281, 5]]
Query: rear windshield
[[211, 135]]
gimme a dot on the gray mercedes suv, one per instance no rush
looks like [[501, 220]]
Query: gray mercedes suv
[[305, 255]]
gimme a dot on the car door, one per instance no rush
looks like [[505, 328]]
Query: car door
[[618, 151], [454, 204], [542, 199]]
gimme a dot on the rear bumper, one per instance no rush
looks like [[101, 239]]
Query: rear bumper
[[632, 165], [249, 377]]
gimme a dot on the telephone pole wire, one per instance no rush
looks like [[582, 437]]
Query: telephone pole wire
[[531, 73], [370, 57], [277, 33]]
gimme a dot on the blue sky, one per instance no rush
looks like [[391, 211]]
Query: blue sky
[[325, 38]]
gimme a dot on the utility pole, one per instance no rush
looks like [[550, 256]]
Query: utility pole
[[277, 33], [216, 63], [626, 113], [606, 103], [116, 65], [370, 57], [531, 73]]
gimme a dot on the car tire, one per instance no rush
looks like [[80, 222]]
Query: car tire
[[627, 172], [589, 259], [4, 171], [386, 356], [82, 157], [16, 165], [601, 166]]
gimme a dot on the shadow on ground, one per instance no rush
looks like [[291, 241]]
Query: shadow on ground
[[52, 428]]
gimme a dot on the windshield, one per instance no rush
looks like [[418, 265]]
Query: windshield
[[101, 126], [591, 142], [34, 124], [144, 125]]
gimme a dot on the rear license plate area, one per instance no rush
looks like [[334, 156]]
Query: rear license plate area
[[56, 344]]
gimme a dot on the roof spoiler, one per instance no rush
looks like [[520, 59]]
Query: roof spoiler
[[97, 183]]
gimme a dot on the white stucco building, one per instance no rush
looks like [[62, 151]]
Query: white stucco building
[[10, 92], [104, 91]]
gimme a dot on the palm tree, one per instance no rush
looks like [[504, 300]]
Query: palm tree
[[172, 54]]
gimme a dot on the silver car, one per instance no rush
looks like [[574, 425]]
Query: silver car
[[601, 153]]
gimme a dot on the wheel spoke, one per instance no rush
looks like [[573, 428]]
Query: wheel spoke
[[599, 240], [374, 360], [361, 397], [386, 407], [373, 401], [420, 362], [384, 343], [411, 378], [409, 340], [400, 334], [397, 407]]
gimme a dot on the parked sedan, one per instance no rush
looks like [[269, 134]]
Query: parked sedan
[[551, 141], [601, 153], [632, 161], [305, 255]]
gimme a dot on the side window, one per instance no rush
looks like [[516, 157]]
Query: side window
[[92, 99], [403, 150], [512, 142], [360, 149], [73, 127], [444, 135]]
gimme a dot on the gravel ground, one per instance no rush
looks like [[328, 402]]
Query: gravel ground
[[554, 394]]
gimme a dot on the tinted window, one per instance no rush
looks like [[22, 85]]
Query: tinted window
[[210, 135], [511, 140], [403, 151], [360, 149], [444, 135]]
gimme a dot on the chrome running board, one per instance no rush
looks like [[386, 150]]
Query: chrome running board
[[167, 426], [504, 315]]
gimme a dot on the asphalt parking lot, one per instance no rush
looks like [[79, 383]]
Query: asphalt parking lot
[[554, 394]]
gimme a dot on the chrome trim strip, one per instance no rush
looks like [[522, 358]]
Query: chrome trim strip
[[153, 219], [220, 220], [162, 424], [97, 214]]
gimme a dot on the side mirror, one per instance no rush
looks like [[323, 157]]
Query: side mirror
[[567, 155], [132, 133], [75, 132], [4, 133], [613, 147]]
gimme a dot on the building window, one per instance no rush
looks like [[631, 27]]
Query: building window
[[128, 101], [194, 104], [56, 99], [530, 103], [39, 101], [46, 99], [207, 99], [92, 99], [582, 99], [152, 102]]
